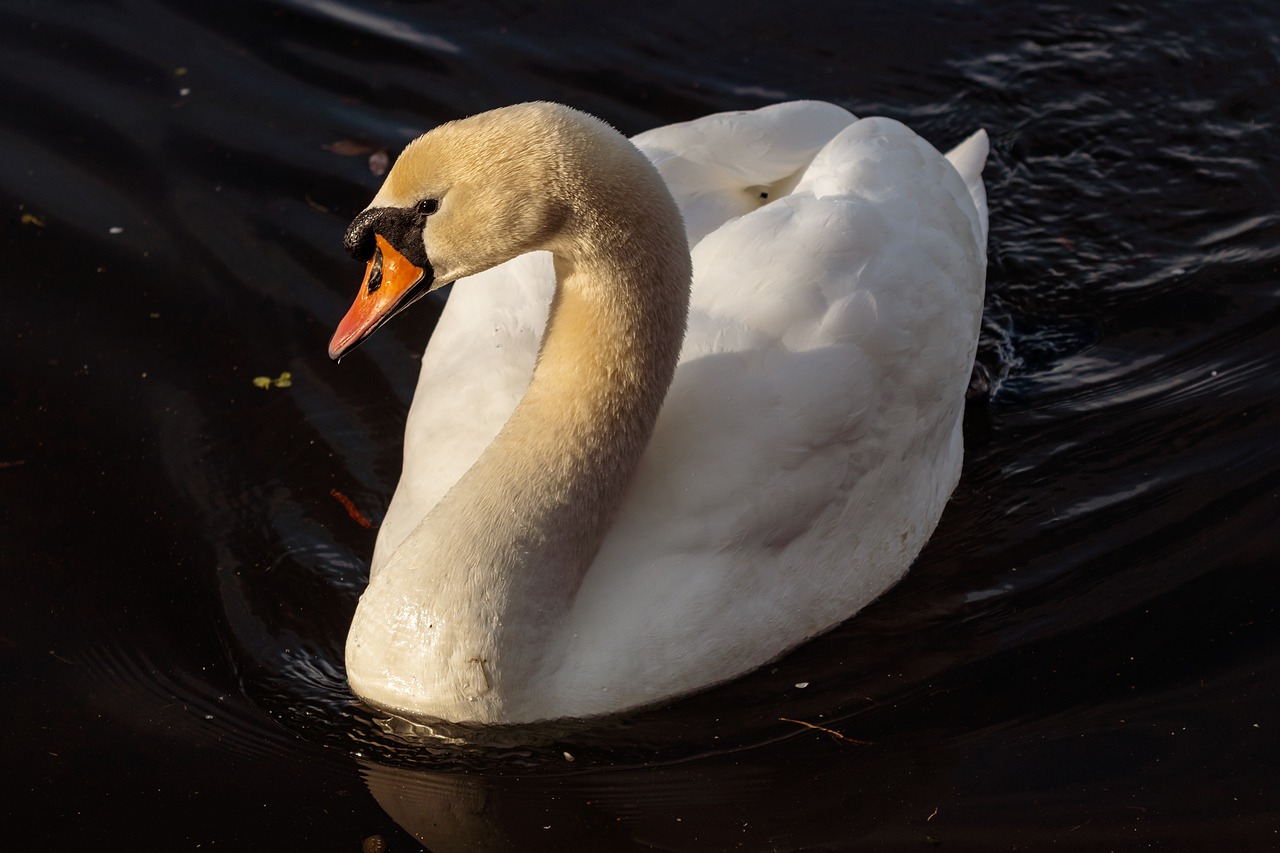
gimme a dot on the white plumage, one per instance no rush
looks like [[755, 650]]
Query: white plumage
[[810, 437]]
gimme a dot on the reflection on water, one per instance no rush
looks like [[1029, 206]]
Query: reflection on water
[[1084, 655]]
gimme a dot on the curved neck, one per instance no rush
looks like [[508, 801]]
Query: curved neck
[[558, 469], [516, 534]]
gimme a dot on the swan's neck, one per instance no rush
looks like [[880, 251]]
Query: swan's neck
[[547, 487], [511, 541]]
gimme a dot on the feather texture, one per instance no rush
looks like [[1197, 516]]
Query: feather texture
[[811, 436]]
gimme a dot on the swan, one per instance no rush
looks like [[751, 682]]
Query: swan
[[633, 470]]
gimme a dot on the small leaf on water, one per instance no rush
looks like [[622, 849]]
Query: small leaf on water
[[284, 380]]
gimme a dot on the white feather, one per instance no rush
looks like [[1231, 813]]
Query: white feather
[[811, 436]]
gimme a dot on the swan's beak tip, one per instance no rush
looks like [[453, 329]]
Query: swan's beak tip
[[350, 332]]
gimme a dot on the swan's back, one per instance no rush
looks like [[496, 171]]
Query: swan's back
[[811, 436]]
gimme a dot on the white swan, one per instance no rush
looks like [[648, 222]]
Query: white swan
[[558, 548]]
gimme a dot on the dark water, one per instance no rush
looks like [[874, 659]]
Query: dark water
[[1085, 656]]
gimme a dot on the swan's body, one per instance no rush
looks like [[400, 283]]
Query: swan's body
[[802, 457]]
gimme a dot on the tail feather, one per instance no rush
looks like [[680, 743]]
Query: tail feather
[[968, 157]]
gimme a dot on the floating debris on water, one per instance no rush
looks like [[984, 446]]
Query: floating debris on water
[[284, 380]]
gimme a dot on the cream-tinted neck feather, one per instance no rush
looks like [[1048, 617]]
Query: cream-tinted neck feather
[[493, 568]]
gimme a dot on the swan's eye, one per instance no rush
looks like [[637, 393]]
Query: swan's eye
[[427, 206]]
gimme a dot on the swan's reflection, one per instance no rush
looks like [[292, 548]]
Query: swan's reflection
[[801, 792]]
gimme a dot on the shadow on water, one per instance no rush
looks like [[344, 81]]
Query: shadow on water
[[1084, 655]]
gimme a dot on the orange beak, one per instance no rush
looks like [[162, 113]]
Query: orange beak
[[391, 283]]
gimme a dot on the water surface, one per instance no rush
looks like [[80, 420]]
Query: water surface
[[1085, 655]]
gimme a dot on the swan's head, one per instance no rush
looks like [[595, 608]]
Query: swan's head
[[468, 196]]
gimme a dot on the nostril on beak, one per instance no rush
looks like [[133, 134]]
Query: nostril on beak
[[375, 272]]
